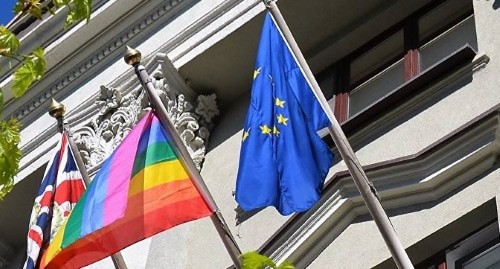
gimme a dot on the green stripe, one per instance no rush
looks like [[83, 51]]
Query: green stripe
[[74, 224], [154, 153]]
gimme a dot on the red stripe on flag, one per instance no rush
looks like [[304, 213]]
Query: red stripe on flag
[[46, 199], [70, 191], [35, 236], [126, 232]]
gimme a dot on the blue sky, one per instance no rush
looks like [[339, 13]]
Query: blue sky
[[6, 13]]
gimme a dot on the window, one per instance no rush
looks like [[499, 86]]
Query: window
[[488, 259], [479, 250], [400, 54], [367, 83]]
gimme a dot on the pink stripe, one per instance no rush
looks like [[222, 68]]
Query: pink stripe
[[120, 172]]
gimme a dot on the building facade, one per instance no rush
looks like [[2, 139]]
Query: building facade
[[413, 83]]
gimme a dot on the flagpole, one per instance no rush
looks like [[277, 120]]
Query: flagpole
[[57, 111], [133, 57], [364, 186]]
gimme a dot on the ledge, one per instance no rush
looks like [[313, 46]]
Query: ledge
[[419, 178], [411, 88]]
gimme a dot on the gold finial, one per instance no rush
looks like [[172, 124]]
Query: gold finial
[[56, 109], [132, 56]]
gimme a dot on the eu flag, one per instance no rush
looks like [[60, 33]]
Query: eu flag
[[283, 162]]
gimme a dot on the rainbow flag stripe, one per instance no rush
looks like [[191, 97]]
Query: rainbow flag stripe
[[131, 198]]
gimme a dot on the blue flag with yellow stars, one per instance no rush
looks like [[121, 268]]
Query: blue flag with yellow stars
[[283, 161]]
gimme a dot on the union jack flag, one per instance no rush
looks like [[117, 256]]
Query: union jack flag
[[62, 186]]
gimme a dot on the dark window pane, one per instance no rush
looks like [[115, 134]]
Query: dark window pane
[[383, 54], [442, 18], [376, 87]]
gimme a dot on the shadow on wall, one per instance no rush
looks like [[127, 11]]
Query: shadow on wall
[[402, 117], [230, 122]]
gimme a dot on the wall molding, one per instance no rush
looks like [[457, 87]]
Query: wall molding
[[26, 109], [100, 123], [55, 85], [116, 44]]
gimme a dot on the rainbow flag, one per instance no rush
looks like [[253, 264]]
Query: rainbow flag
[[141, 190]]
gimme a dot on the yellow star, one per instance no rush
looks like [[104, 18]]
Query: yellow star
[[245, 134], [279, 103], [265, 129], [276, 132], [282, 119], [256, 73]]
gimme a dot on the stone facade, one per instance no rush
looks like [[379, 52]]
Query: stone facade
[[432, 156]]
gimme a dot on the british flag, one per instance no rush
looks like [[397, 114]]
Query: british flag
[[61, 187]]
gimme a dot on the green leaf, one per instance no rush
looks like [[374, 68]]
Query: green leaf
[[5, 189], [38, 59], [86, 7], [286, 265], [18, 8], [10, 154], [24, 76], [79, 10], [36, 12], [254, 260], [9, 43], [32, 7], [59, 3], [31, 70], [35, 8]]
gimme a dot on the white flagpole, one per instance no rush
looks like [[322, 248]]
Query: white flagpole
[[133, 57], [364, 186], [57, 111]]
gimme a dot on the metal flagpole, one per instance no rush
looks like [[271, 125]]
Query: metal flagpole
[[57, 111], [364, 186], [133, 57]]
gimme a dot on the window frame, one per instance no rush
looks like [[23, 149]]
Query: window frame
[[440, 259], [410, 56]]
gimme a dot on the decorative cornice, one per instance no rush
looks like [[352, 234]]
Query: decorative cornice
[[117, 115], [24, 111], [242, 8], [115, 44], [100, 122], [118, 112]]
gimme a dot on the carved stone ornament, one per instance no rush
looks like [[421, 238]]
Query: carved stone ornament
[[118, 114]]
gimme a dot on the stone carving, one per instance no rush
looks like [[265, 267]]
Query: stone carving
[[118, 114]]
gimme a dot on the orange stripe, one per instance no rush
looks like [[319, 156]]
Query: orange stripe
[[176, 197], [160, 196], [124, 233]]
